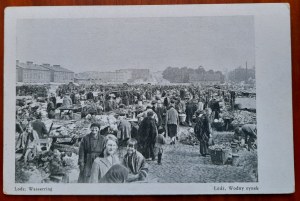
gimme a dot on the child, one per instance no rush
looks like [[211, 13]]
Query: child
[[160, 141], [135, 162]]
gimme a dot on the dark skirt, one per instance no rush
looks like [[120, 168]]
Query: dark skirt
[[172, 130]]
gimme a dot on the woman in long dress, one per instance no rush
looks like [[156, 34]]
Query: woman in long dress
[[91, 146], [103, 163]]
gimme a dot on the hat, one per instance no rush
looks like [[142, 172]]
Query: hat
[[150, 113], [153, 102], [95, 125]]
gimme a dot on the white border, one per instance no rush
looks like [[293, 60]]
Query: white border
[[274, 103]]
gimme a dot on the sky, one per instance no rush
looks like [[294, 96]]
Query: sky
[[108, 44]]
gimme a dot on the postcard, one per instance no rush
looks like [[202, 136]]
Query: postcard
[[148, 100]]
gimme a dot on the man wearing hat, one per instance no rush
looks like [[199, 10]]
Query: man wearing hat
[[144, 114], [91, 146]]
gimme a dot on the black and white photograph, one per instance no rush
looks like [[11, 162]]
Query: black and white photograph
[[137, 101]]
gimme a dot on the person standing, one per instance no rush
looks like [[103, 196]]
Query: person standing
[[91, 146], [51, 109], [161, 114], [90, 95], [189, 110], [67, 102], [202, 132], [53, 99], [146, 136], [29, 142], [172, 122], [124, 129]]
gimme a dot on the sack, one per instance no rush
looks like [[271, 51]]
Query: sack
[[211, 142], [119, 134]]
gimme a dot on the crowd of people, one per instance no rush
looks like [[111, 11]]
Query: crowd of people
[[147, 116]]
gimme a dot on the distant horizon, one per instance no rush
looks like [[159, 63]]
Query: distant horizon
[[135, 68], [219, 43]]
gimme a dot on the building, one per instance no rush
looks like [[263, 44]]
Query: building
[[33, 73], [59, 74], [118, 76], [135, 74], [212, 78]]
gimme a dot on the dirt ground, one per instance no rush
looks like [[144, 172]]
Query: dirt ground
[[184, 164], [181, 163]]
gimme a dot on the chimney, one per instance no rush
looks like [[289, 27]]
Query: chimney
[[29, 62], [17, 61], [46, 65]]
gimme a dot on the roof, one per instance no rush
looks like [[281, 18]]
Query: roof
[[58, 68], [31, 66]]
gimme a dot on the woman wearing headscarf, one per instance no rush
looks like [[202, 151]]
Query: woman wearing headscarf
[[107, 159], [91, 147]]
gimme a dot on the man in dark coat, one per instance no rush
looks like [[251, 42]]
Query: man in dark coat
[[215, 107], [53, 99], [146, 136], [202, 132], [189, 110], [90, 95]]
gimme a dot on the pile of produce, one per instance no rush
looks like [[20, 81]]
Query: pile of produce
[[32, 90], [187, 136], [222, 137], [243, 117], [223, 146], [57, 164]]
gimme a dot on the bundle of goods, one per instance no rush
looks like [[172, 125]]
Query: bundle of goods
[[61, 131], [103, 120], [121, 111], [218, 124], [220, 153], [187, 136], [57, 164]]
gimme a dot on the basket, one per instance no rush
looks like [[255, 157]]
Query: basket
[[182, 117], [219, 156]]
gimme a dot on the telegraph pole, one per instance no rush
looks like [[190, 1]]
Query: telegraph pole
[[246, 72]]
